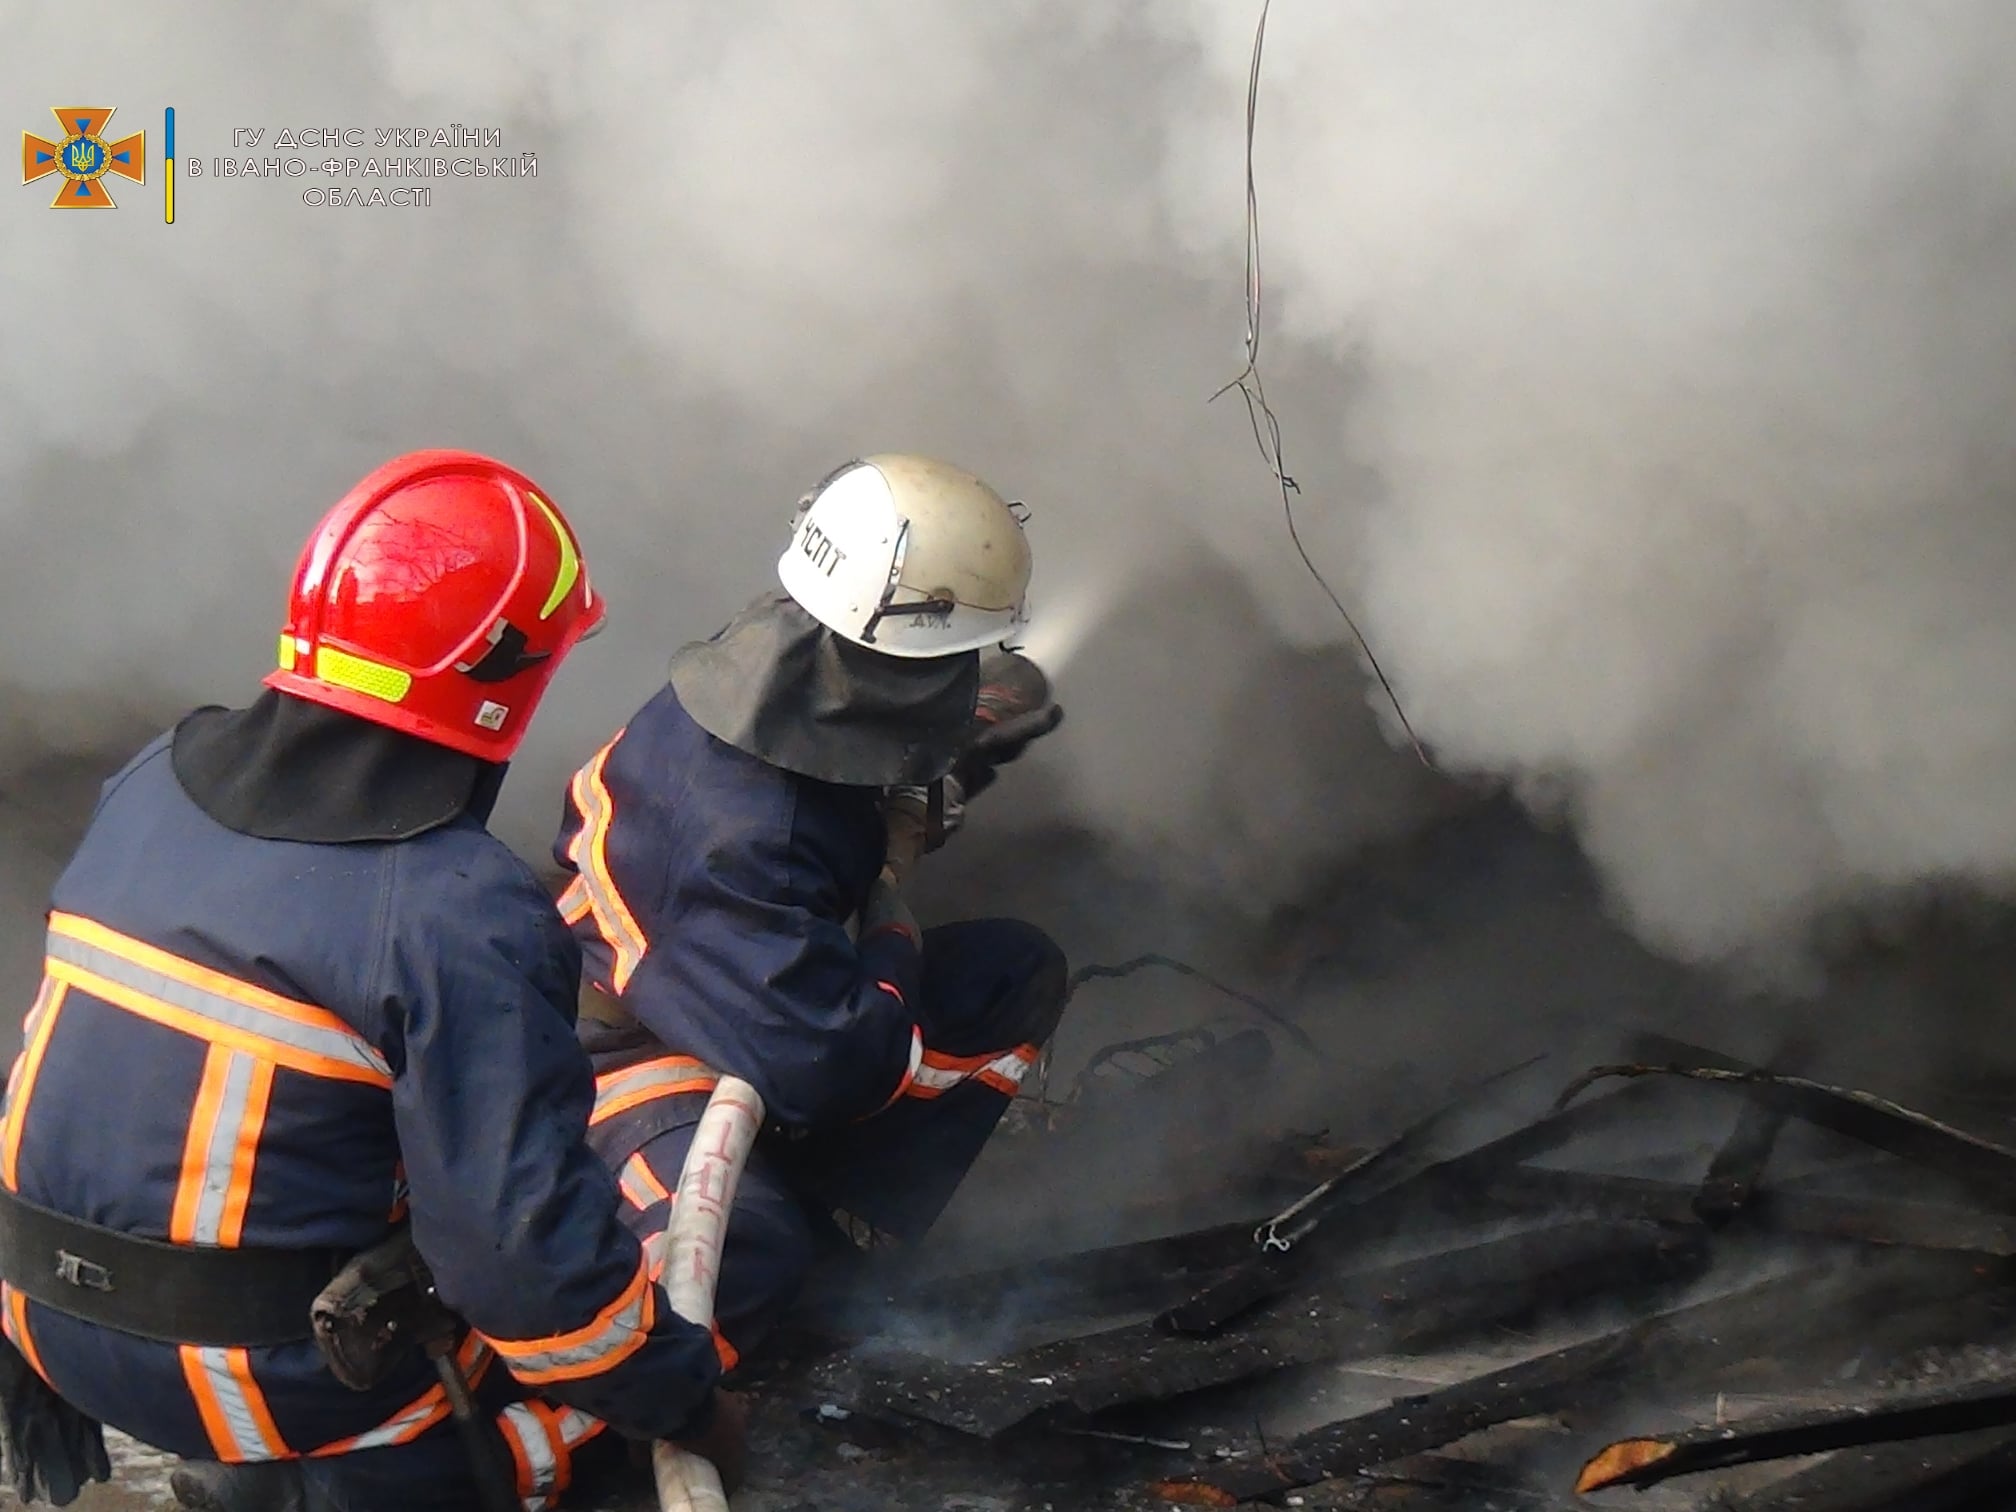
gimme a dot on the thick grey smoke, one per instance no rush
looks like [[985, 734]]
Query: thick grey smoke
[[1688, 338], [1646, 367]]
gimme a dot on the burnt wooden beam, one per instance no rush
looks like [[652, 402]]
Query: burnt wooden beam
[[1784, 1312], [1732, 1177], [1987, 1168], [1885, 1221], [1932, 1475], [1367, 1313], [1926, 1414]]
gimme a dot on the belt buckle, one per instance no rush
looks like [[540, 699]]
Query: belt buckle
[[78, 1271]]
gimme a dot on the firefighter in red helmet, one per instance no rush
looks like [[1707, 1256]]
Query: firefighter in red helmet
[[300, 1007]]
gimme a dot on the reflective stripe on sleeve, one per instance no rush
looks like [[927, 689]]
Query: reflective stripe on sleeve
[[601, 1344]]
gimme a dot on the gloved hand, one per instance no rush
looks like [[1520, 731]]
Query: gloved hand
[[906, 815], [885, 909], [48, 1448], [919, 824], [724, 1442], [1014, 709]]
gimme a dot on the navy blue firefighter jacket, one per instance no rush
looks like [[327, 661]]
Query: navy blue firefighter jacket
[[257, 1042], [712, 895]]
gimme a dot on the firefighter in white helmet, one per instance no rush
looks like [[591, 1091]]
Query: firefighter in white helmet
[[738, 853]]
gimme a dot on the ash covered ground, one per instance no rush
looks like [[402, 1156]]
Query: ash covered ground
[[1477, 941]]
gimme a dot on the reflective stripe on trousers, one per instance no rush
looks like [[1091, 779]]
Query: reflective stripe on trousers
[[542, 1439]]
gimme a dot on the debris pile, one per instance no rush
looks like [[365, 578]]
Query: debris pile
[[1552, 1286]]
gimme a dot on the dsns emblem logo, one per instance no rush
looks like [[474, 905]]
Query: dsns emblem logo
[[83, 157]]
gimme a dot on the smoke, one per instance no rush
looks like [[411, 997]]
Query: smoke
[[1646, 370], [1687, 338]]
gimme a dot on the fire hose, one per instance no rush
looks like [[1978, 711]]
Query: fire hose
[[693, 1241]]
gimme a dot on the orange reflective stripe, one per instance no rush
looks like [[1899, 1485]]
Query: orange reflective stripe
[[209, 1005], [963, 1065], [542, 1439], [640, 1184], [589, 851], [511, 1421], [604, 1342], [726, 1352], [1002, 1071], [549, 1422], [573, 904], [232, 1406], [909, 1072], [221, 1149], [16, 1319], [419, 1415], [647, 1081], [41, 1023]]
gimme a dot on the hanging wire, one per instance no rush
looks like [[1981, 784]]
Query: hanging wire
[[1260, 414], [1267, 1011]]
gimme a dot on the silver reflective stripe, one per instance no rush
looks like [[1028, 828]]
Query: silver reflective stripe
[[28, 1024], [331, 1044], [641, 1078], [222, 1154], [587, 852], [525, 1427], [577, 1427], [395, 1430], [635, 1187], [1010, 1067], [582, 1358], [248, 1439]]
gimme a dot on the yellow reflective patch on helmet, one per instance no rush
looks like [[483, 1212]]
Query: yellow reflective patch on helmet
[[373, 679], [286, 652], [570, 559]]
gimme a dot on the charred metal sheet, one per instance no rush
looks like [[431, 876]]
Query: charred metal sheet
[[1885, 1221], [1929, 1414], [1989, 1169], [1799, 1307], [1935, 1475], [1114, 1279], [1418, 1148], [1366, 1313], [1739, 1165]]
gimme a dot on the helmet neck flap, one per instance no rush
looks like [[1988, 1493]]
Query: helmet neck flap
[[780, 686]]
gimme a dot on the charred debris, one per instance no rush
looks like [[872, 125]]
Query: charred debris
[[1739, 1288]]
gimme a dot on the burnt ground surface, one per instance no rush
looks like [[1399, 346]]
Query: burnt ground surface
[[991, 1376], [1472, 948]]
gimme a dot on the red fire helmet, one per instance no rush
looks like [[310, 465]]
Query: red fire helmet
[[438, 597]]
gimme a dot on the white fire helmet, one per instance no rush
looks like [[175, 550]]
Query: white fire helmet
[[909, 557]]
